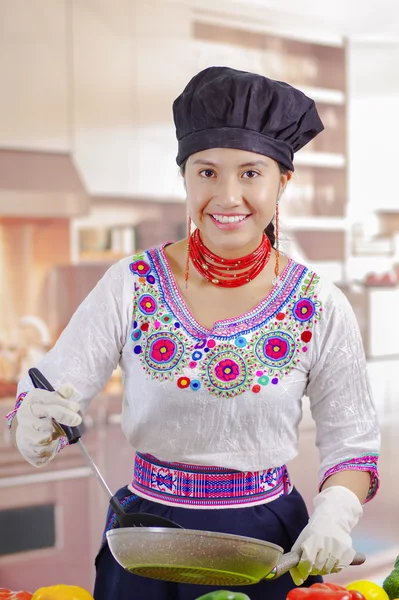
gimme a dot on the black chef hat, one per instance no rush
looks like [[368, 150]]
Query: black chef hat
[[225, 108]]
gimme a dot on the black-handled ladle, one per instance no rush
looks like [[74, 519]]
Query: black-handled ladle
[[73, 435]]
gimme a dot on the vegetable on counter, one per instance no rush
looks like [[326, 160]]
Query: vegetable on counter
[[6, 594], [309, 594], [353, 594], [318, 593], [61, 592], [224, 595], [391, 583], [369, 589], [324, 591]]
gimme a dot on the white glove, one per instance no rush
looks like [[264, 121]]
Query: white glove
[[37, 435], [325, 542]]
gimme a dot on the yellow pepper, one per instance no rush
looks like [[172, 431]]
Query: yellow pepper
[[62, 592], [369, 589]]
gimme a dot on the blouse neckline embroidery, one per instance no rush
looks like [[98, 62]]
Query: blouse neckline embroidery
[[249, 352], [266, 309]]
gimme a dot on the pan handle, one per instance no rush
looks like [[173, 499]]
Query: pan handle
[[286, 562], [291, 559], [39, 381]]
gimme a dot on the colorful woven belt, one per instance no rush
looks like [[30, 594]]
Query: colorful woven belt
[[202, 487]]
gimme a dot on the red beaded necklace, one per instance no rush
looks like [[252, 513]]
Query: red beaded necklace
[[226, 272]]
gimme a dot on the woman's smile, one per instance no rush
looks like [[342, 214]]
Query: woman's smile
[[229, 221]]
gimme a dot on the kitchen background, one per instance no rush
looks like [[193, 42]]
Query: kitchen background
[[88, 175]]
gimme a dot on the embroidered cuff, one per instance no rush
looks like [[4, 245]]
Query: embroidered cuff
[[63, 441], [11, 415], [367, 462]]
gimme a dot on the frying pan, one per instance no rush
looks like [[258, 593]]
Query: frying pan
[[158, 548]]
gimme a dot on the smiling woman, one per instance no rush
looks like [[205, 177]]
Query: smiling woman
[[240, 195], [230, 182], [219, 337]]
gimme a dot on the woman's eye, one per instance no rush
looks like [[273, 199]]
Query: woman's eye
[[250, 174], [207, 173]]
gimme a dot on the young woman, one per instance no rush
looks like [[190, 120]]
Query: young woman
[[219, 337]]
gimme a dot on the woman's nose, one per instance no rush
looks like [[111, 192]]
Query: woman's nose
[[229, 193]]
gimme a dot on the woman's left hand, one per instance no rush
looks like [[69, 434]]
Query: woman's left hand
[[325, 543]]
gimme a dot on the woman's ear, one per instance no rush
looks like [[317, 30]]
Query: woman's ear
[[285, 178]]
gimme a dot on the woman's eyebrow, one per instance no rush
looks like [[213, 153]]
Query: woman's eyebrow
[[255, 163], [204, 162]]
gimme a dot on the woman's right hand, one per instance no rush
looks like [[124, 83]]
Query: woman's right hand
[[36, 436]]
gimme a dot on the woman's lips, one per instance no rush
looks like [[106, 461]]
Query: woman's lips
[[234, 225]]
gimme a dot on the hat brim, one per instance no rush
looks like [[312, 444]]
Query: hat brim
[[240, 139]]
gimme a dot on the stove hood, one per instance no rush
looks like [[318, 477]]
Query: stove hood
[[40, 185]]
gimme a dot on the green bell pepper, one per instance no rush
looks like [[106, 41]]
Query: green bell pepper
[[224, 595]]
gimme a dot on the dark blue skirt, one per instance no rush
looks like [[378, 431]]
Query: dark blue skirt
[[279, 522]]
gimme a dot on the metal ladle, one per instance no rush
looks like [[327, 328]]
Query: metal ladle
[[73, 435]]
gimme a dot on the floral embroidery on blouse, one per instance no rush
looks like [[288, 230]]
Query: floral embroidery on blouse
[[256, 349]]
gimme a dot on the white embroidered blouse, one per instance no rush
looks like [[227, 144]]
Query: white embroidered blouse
[[230, 396]]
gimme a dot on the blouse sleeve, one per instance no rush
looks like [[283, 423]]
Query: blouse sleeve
[[347, 431], [89, 348]]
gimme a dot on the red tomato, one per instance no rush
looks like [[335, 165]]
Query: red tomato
[[6, 594]]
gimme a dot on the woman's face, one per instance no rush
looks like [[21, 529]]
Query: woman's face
[[231, 197]]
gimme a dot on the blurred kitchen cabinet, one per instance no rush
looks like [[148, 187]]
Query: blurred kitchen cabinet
[[60, 550], [333, 138], [321, 245], [29, 248], [105, 243], [116, 451], [48, 514], [330, 192], [63, 498], [66, 288], [118, 227], [377, 319], [315, 192], [40, 193], [34, 75], [389, 221], [153, 233], [384, 322]]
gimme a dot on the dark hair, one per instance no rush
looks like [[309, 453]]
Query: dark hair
[[269, 230]]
